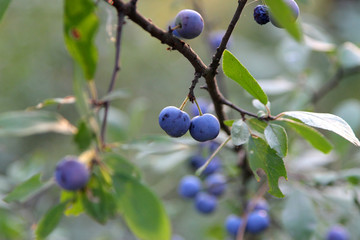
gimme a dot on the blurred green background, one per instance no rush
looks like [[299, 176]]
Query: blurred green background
[[34, 65]]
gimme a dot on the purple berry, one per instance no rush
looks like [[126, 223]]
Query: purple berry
[[214, 166], [70, 174], [258, 221], [190, 22], [294, 8], [174, 121], [205, 203], [233, 224], [337, 232], [215, 39], [215, 184], [189, 186], [204, 128], [261, 14], [196, 161]]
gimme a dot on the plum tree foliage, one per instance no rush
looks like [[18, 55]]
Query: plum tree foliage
[[228, 148]]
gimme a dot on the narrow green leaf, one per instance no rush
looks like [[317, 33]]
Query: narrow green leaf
[[298, 216], [283, 15], [262, 156], [141, 209], [237, 72], [25, 189], [326, 121], [315, 138], [53, 101], [80, 26], [4, 4], [49, 221], [24, 123], [83, 136], [239, 133], [276, 137]]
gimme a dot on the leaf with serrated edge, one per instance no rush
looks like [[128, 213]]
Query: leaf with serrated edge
[[262, 156], [276, 136], [315, 138], [326, 121], [237, 72], [239, 133], [25, 189]]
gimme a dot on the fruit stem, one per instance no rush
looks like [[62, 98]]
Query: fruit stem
[[184, 103], [200, 112], [203, 167], [176, 27]]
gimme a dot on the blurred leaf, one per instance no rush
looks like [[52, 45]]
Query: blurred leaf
[[229, 123], [257, 125], [120, 165], [239, 133], [101, 203], [262, 156], [49, 221], [83, 136], [141, 209], [52, 101], [82, 98], [23, 123], [3, 6], [283, 15], [116, 94], [74, 207], [237, 72], [258, 105], [349, 55], [25, 189], [216, 232], [298, 216], [276, 86], [80, 26], [326, 121], [276, 137], [320, 46], [315, 138]]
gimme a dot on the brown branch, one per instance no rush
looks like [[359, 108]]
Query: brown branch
[[340, 75], [191, 94]]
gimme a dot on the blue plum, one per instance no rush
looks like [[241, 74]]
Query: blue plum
[[205, 203], [337, 232], [205, 127], [190, 23], [189, 186], [261, 14], [70, 174], [258, 221], [174, 121], [233, 224], [215, 184]]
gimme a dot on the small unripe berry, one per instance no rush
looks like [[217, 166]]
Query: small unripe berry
[[70, 174], [261, 14], [190, 23]]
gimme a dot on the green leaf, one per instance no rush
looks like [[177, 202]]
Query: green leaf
[[121, 165], [315, 138], [239, 133], [116, 94], [298, 216], [24, 123], [262, 156], [257, 125], [276, 137], [326, 121], [75, 207], [49, 221], [141, 209], [83, 136], [80, 26], [229, 122], [25, 189], [349, 55], [4, 4], [284, 17], [53, 101], [237, 72]]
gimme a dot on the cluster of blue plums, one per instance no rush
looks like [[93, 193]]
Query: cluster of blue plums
[[188, 24], [71, 174], [262, 15], [176, 122], [257, 221]]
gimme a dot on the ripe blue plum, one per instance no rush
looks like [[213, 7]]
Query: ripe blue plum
[[70, 174], [261, 14], [258, 221], [174, 121], [337, 232], [189, 186], [294, 10], [205, 203], [190, 23], [205, 127], [233, 224], [215, 184]]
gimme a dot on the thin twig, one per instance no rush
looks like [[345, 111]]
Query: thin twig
[[191, 94], [114, 74]]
